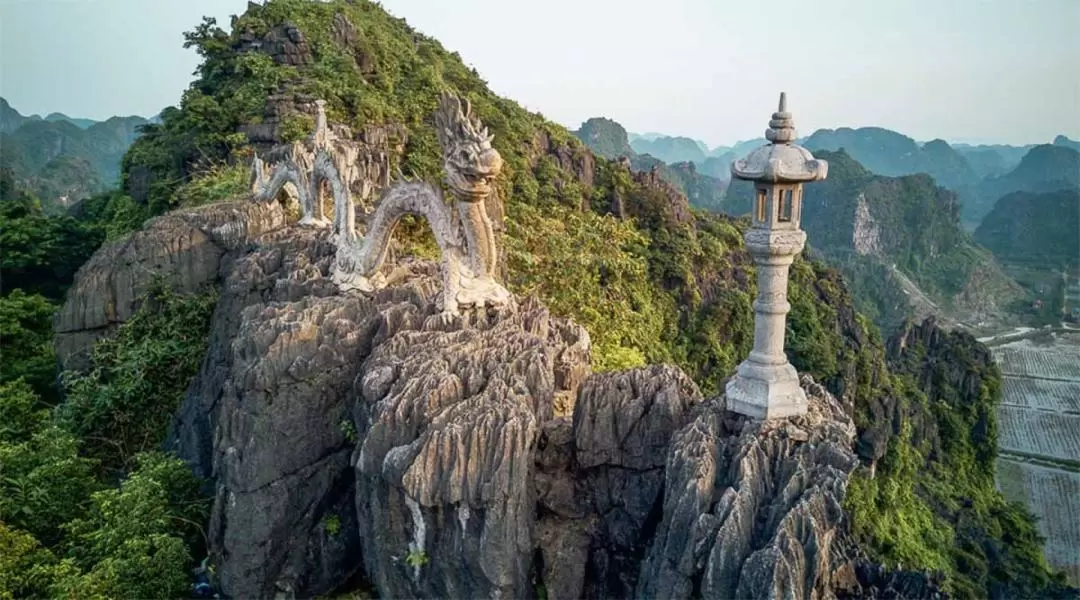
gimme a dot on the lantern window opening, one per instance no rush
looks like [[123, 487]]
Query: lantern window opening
[[762, 199], [785, 209]]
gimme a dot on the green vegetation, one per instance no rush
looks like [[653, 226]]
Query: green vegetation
[[933, 503], [66, 528], [332, 525], [1043, 169], [61, 161], [604, 274], [39, 253], [26, 331], [417, 558], [88, 507], [138, 378], [605, 137], [891, 515], [1039, 230]]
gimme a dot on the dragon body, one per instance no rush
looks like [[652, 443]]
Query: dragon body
[[467, 244]]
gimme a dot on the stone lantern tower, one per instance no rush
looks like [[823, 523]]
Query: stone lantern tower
[[766, 385]]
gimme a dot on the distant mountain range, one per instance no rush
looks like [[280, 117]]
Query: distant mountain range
[[61, 159], [1041, 229], [609, 139], [1045, 168], [893, 210], [979, 174]]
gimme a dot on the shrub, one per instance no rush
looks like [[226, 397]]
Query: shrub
[[122, 406]]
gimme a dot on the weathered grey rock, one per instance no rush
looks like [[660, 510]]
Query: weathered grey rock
[[284, 43], [752, 507], [865, 233], [344, 433], [449, 415], [262, 419], [440, 415], [183, 247], [623, 425]]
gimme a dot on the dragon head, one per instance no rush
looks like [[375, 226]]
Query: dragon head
[[469, 160]]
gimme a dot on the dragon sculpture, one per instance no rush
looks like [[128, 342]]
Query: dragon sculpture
[[467, 244]]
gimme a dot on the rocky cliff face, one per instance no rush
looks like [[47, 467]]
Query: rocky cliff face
[[865, 235], [186, 248], [347, 435]]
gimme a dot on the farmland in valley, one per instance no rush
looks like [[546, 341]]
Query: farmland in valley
[[1039, 438], [1042, 432], [1059, 396], [1051, 494]]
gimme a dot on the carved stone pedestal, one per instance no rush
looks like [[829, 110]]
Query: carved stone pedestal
[[766, 386]]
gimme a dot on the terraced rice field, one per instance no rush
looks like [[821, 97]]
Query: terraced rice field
[[1052, 495], [1041, 394], [1039, 439], [1060, 360], [1042, 432]]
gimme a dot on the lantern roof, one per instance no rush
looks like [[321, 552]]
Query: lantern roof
[[781, 160]]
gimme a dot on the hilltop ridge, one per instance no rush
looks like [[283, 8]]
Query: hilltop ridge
[[63, 160]]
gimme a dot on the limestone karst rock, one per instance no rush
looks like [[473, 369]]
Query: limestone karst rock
[[432, 446], [186, 247], [751, 508], [346, 435]]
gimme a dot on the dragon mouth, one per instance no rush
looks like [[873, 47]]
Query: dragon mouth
[[475, 179], [471, 183]]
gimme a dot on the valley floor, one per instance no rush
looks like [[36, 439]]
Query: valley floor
[[1039, 436]]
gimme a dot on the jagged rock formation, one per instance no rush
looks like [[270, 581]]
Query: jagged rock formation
[[186, 247], [469, 455], [433, 447], [751, 508]]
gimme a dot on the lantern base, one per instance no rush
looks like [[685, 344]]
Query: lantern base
[[766, 391]]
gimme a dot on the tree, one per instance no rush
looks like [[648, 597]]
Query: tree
[[26, 342], [38, 253]]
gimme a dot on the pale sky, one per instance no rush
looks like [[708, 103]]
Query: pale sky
[[968, 70]]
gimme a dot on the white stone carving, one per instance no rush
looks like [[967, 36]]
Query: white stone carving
[[781, 160], [467, 244], [766, 386]]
